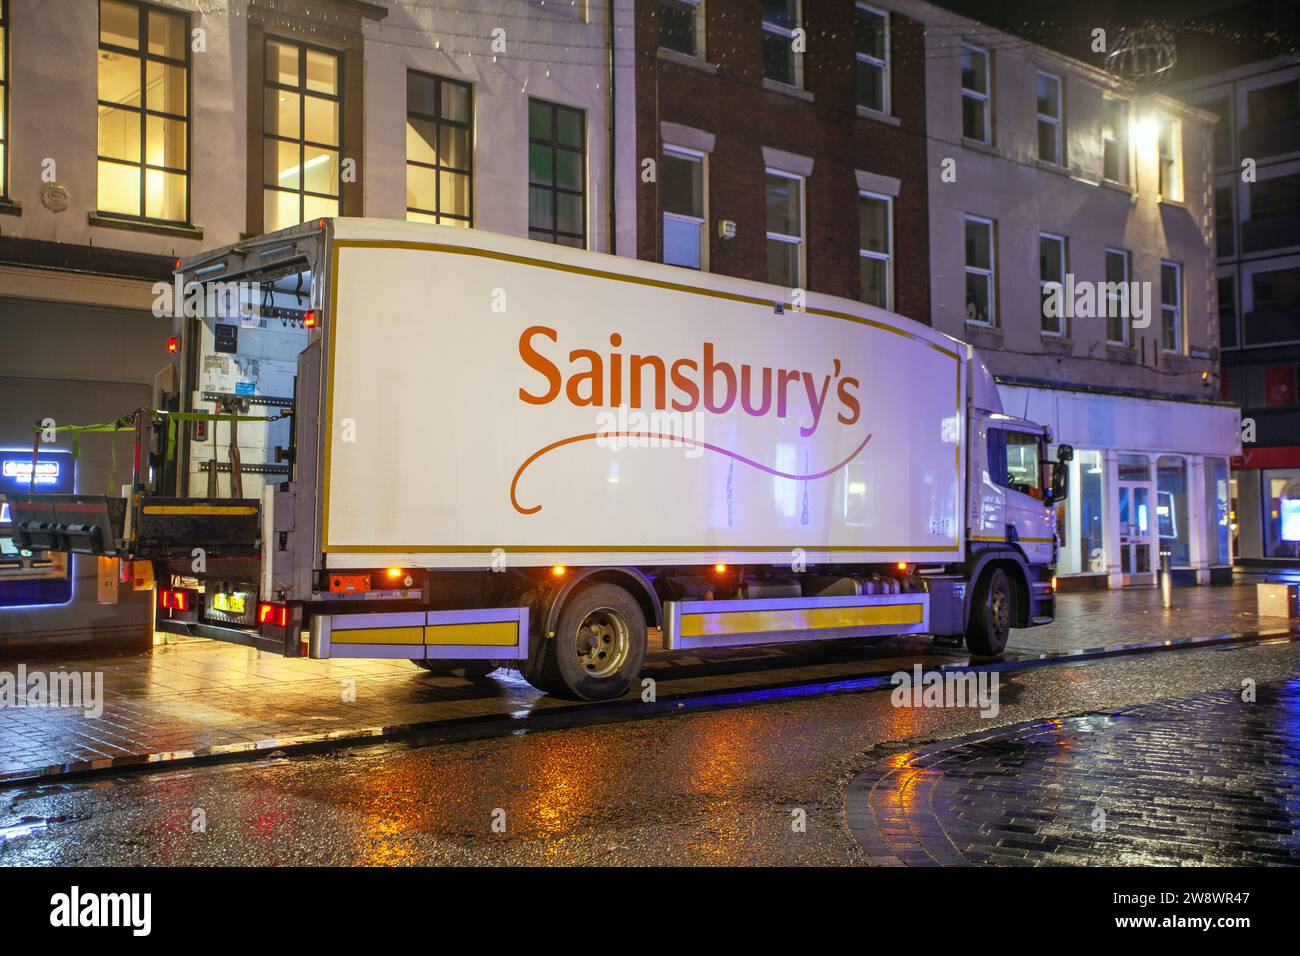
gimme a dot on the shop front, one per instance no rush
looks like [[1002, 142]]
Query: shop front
[[1149, 482]]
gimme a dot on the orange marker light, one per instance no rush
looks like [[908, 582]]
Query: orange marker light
[[720, 568], [558, 570], [309, 320], [173, 344], [394, 572], [902, 565]]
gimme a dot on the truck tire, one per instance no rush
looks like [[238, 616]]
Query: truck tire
[[470, 670], [599, 645], [990, 615]]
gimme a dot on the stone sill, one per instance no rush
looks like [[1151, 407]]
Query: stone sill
[[879, 117], [10, 207], [107, 221], [686, 59], [785, 89]]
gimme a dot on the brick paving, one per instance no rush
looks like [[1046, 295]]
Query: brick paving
[[1204, 780], [204, 697]]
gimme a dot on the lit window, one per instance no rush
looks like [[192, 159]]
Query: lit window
[[681, 26], [1049, 119], [4, 96], [439, 150], [876, 249], [1117, 296], [143, 110], [1051, 270], [981, 302], [1171, 307], [301, 134], [781, 63], [784, 228], [557, 178], [872, 58], [1168, 139], [975, 94], [1114, 138], [685, 237]]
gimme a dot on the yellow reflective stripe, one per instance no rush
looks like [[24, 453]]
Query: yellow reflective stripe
[[200, 509], [379, 635], [490, 634], [795, 619]]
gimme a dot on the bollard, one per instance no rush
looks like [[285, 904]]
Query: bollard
[[1166, 579]]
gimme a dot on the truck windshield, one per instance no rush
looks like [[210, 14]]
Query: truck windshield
[[1024, 461]]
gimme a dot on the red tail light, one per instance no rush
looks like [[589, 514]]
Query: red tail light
[[173, 344], [309, 320], [174, 600], [277, 615]]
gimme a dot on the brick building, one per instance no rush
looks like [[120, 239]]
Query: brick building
[[817, 157]]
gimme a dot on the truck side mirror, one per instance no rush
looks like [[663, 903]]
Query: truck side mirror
[[1060, 481], [1065, 453]]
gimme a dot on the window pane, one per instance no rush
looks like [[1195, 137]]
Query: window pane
[[783, 262], [279, 210], [421, 184], [973, 70], [1116, 267], [568, 169], [321, 120], [119, 24], [166, 35], [972, 119], [874, 278], [164, 195], [539, 120], [783, 206], [568, 213], [321, 170], [873, 224], [455, 147], [455, 102], [1227, 313], [165, 142], [871, 86], [568, 127], [979, 245], [119, 133], [119, 78], [681, 242], [677, 27], [541, 208], [1049, 259], [1168, 285], [1049, 96], [454, 195], [421, 94], [281, 115], [778, 58], [315, 208], [541, 165], [322, 72], [282, 64], [420, 216], [978, 300], [421, 140], [781, 13], [871, 33], [1047, 147], [119, 188], [280, 164], [166, 86], [683, 185]]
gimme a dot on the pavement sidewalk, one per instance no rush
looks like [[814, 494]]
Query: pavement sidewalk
[[203, 698]]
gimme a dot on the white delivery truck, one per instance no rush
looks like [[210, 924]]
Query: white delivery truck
[[398, 440]]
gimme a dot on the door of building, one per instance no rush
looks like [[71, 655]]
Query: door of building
[[1136, 560]]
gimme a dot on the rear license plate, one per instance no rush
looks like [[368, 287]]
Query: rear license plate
[[230, 603]]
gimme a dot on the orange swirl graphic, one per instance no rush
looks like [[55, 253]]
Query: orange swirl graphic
[[514, 484]]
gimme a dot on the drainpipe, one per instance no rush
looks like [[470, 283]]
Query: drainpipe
[[610, 125]]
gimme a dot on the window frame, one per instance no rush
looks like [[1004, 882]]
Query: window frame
[[989, 273], [800, 240], [985, 99], [302, 92], [796, 64], [1229, 274], [1062, 329], [697, 156], [1057, 122], [1169, 167], [143, 166], [437, 167], [4, 101], [887, 257], [887, 106], [1124, 146], [554, 145], [699, 49], [1125, 317], [1176, 309]]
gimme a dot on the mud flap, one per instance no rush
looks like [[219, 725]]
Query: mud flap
[[466, 635]]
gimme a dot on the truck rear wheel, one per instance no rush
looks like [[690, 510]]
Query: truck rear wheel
[[470, 670], [599, 644], [990, 615]]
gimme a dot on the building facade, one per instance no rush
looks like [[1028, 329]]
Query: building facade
[[787, 143], [1054, 188], [135, 133], [1257, 214]]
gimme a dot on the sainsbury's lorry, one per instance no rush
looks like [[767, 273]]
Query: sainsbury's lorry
[[383, 439]]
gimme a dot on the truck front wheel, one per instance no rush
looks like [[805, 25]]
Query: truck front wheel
[[599, 643], [990, 615]]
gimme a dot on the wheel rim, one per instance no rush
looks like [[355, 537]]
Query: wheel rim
[[999, 609], [602, 642]]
